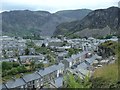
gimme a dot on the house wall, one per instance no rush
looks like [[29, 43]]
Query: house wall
[[66, 63], [70, 64]]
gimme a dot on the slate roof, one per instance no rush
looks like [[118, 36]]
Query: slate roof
[[74, 57], [2, 86], [34, 76], [7, 60], [32, 56], [50, 69], [62, 54], [70, 59], [30, 77], [83, 71], [83, 65], [55, 44], [15, 83], [91, 60], [59, 82]]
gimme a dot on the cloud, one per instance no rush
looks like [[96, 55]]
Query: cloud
[[55, 5]]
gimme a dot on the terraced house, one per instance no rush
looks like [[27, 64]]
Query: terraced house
[[76, 58], [51, 75]]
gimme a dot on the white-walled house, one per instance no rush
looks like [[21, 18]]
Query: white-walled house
[[69, 62], [51, 72]]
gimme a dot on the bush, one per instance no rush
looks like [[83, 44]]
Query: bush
[[4, 73], [21, 69], [7, 65], [27, 64], [72, 51], [40, 65], [73, 81], [15, 64], [14, 71]]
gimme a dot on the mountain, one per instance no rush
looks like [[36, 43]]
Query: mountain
[[26, 22], [23, 22], [73, 14], [97, 23]]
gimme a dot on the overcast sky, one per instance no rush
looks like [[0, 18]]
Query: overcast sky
[[56, 5]]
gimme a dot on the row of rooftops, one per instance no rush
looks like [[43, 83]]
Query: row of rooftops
[[40, 73], [82, 67], [51, 69], [32, 56], [87, 62], [31, 77], [74, 57], [25, 57]]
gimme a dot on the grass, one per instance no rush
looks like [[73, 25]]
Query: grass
[[106, 77], [108, 73]]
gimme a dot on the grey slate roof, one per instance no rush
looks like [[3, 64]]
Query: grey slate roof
[[32, 56], [59, 82], [74, 57], [50, 69], [70, 59], [83, 65], [7, 60], [91, 60], [15, 83], [34, 76], [83, 71], [31, 77], [2, 86]]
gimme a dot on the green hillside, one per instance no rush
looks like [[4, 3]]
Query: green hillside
[[108, 76]]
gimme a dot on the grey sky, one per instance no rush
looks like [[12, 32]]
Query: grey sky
[[56, 5]]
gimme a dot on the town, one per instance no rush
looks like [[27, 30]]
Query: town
[[30, 63]]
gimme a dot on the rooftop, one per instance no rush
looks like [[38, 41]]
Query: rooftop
[[91, 60], [15, 83], [59, 82], [31, 77], [50, 69], [74, 57]]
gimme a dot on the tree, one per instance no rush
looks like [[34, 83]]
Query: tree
[[15, 64], [73, 81], [4, 73], [6, 65], [32, 65], [70, 52], [51, 59], [13, 71], [27, 51], [21, 69], [40, 65], [108, 37], [30, 44]]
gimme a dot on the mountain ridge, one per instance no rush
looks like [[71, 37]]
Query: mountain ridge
[[97, 19], [24, 22]]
